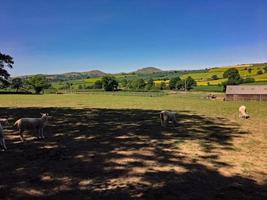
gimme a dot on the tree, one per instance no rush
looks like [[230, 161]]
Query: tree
[[249, 70], [162, 86], [259, 72], [124, 82], [234, 78], [189, 83], [137, 84], [110, 83], [231, 73], [249, 80], [5, 61], [150, 84], [38, 83], [214, 77], [98, 84], [16, 83], [173, 83], [265, 69], [180, 84]]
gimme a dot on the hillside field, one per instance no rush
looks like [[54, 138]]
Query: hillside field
[[111, 146], [203, 77]]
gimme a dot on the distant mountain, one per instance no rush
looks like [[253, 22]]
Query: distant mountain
[[71, 75], [92, 73], [148, 70]]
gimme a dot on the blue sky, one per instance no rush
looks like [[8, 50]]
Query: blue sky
[[54, 36]]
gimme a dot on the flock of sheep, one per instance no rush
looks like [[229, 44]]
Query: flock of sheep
[[38, 124]]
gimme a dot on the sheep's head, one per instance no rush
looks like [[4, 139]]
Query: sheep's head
[[45, 116]]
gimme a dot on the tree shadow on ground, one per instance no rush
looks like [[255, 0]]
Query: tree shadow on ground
[[121, 154]]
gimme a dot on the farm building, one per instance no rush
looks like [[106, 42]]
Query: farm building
[[246, 92]]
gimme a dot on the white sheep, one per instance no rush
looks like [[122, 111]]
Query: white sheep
[[2, 138], [37, 124], [166, 117], [243, 112]]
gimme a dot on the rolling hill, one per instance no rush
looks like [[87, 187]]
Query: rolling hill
[[148, 70]]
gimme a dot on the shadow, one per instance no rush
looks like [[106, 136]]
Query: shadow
[[121, 154]]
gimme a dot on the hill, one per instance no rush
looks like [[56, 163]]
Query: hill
[[148, 70]]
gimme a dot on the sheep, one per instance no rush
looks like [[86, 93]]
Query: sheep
[[243, 112], [33, 124], [166, 116], [2, 139]]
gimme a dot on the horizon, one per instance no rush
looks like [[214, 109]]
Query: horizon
[[55, 37]]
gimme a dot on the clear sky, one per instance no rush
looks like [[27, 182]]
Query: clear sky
[[54, 36]]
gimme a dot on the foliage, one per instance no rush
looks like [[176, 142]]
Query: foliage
[[98, 84], [231, 73], [214, 77], [150, 84], [173, 83], [5, 61], [138, 84], [249, 80], [190, 83], [38, 83], [162, 86], [259, 72], [110, 83], [124, 82], [265, 69], [17, 83]]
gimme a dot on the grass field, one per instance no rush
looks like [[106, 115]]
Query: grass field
[[111, 146]]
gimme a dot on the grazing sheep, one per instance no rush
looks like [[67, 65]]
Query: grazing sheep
[[37, 124], [166, 116], [2, 139], [243, 112]]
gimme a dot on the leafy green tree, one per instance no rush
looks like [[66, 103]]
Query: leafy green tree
[[231, 73], [150, 84], [173, 83], [259, 72], [189, 83], [17, 83], [137, 84], [124, 83], [98, 84], [214, 77], [234, 78], [249, 80], [110, 83], [265, 69], [5, 61], [249, 70], [180, 84], [38, 83], [162, 86]]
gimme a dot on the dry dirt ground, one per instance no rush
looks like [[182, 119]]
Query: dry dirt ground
[[125, 154]]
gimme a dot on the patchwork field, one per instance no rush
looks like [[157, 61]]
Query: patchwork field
[[111, 146]]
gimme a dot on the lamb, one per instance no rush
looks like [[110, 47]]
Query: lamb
[[2, 139], [166, 116], [243, 112], [33, 124]]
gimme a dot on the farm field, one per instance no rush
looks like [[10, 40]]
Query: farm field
[[111, 146], [202, 77]]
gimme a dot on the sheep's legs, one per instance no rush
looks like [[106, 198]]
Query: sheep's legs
[[42, 133], [21, 135], [3, 144]]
